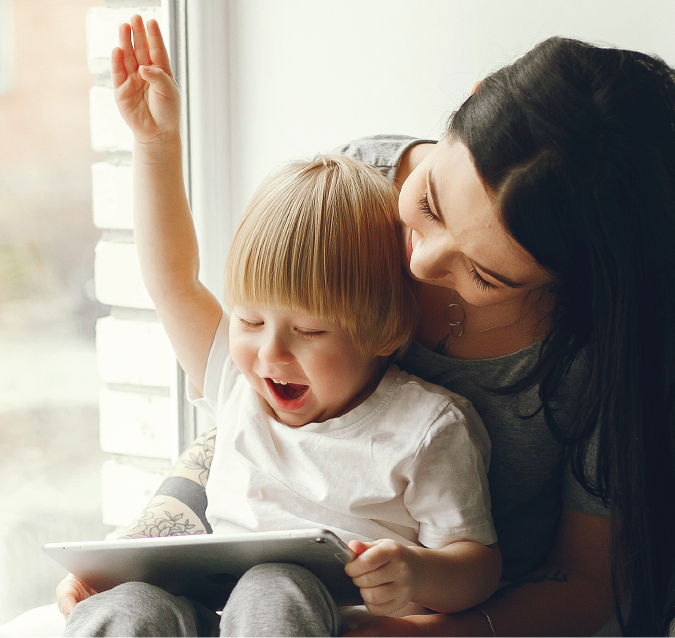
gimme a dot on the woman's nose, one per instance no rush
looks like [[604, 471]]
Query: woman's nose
[[274, 349], [430, 260]]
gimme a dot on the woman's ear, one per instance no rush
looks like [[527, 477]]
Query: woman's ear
[[475, 86]]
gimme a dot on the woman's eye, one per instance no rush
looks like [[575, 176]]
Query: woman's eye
[[480, 282], [425, 209]]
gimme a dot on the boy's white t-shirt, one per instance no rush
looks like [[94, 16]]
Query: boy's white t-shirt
[[409, 463]]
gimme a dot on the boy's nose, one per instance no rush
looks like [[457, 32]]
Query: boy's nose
[[275, 350]]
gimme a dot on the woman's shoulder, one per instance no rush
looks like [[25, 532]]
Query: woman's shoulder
[[384, 152]]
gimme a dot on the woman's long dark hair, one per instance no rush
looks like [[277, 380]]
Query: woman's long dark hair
[[576, 144]]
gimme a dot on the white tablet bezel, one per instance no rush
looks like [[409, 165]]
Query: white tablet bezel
[[206, 567]]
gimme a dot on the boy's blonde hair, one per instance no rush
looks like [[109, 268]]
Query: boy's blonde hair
[[324, 237]]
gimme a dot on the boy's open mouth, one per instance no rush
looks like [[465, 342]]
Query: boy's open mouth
[[286, 391]]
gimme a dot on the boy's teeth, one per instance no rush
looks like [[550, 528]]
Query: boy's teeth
[[280, 381]]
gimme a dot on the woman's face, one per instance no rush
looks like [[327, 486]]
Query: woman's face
[[453, 234]]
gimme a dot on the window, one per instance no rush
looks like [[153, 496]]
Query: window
[[49, 386], [6, 46]]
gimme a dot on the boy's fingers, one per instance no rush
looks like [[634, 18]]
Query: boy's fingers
[[141, 47], [372, 579], [380, 600], [158, 52], [117, 70], [129, 57], [358, 547], [160, 81], [364, 564]]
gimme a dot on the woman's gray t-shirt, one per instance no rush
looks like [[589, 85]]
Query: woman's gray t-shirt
[[530, 475]]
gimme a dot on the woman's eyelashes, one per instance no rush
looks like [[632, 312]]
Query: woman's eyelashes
[[480, 282], [425, 209]]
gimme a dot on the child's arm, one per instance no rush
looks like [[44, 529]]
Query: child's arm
[[148, 99], [451, 579]]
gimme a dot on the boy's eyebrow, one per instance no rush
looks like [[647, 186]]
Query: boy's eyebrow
[[495, 275]]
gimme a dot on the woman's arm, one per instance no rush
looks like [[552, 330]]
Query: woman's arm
[[179, 505], [569, 596], [176, 509]]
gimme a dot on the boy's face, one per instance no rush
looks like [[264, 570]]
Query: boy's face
[[307, 369]]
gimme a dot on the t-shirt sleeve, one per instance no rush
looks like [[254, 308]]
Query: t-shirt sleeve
[[574, 495], [448, 489], [384, 152], [217, 367]]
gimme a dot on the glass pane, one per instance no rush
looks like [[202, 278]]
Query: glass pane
[[50, 473]]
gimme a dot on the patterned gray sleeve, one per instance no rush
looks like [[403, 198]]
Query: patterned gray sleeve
[[384, 152]]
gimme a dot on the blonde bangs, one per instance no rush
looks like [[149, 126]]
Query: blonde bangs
[[323, 238]]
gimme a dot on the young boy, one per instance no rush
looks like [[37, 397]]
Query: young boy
[[315, 427]]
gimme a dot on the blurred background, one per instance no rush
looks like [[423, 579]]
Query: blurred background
[[50, 468]]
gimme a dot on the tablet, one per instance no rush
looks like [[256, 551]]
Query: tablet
[[206, 567]]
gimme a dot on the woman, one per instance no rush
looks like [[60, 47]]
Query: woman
[[547, 213], [539, 231]]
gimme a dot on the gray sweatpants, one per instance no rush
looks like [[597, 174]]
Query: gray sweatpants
[[274, 599]]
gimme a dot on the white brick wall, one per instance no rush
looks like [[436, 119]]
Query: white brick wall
[[111, 188], [108, 130], [117, 275], [127, 488], [138, 416], [134, 351]]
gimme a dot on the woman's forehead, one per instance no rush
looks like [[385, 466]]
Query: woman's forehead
[[471, 215]]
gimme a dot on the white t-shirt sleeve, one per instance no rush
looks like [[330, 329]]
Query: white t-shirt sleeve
[[217, 367], [448, 489]]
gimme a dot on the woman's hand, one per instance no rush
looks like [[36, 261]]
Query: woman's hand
[[387, 574], [145, 90], [71, 591]]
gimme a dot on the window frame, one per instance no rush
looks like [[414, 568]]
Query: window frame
[[6, 47], [198, 47]]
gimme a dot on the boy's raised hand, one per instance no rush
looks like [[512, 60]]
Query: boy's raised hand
[[386, 573], [145, 90]]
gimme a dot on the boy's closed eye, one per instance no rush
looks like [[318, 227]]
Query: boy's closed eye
[[311, 333], [250, 324]]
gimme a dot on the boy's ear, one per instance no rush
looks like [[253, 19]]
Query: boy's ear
[[386, 352]]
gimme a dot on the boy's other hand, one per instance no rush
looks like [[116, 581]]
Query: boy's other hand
[[71, 591], [386, 572], [145, 89]]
